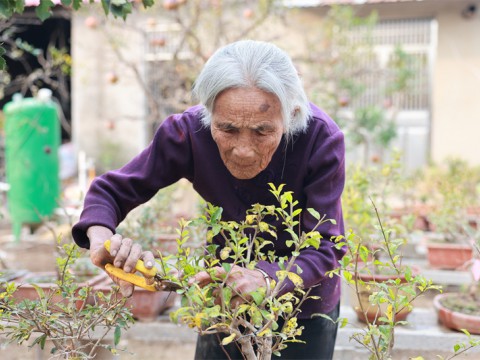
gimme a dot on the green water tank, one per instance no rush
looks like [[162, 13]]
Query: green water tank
[[32, 140]]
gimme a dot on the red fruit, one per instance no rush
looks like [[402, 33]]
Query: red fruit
[[91, 22], [112, 77], [110, 125], [343, 101], [159, 41], [375, 159], [248, 13]]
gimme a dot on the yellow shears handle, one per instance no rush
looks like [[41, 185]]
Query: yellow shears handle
[[146, 281]]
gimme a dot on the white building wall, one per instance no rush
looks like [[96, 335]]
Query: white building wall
[[107, 117], [456, 88]]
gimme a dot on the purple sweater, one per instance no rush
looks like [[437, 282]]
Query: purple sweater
[[312, 165]]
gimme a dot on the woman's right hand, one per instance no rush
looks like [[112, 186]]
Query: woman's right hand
[[124, 253]]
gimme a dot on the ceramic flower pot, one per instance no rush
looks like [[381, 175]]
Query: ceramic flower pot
[[457, 319], [371, 312], [145, 305], [448, 256], [165, 244], [45, 280]]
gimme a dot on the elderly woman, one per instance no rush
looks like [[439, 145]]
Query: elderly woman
[[254, 125]]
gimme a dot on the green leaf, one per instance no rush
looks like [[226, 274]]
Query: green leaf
[[121, 10], [258, 296], [256, 315], [106, 6], [3, 63], [40, 341], [67, 2], [227, 267], [242, 308], [39, 290], [227, 295], [314, 213], [148, 3], [6, 9], [19, 6], [116, 335], [43, 10], [213, 312]]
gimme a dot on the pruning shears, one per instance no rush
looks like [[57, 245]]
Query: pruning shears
[[149, 280]]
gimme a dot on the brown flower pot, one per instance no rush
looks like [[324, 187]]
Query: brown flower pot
[[165, 244], [455, 320], [145, 305], [448, 256], [373, 312], [45, 280]]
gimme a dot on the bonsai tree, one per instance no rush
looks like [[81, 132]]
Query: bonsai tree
[[254, 321], [386, 185], [452, 191], [382, 301], [65, 316]]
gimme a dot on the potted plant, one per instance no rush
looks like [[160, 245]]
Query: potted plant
[[387, 186], [32, 284], [460, 310], [254, 324], [55, 320], [453, 192], [384, 286], [381, 285]]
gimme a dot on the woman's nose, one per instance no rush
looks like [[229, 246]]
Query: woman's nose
[[242, 147], [243, 151]]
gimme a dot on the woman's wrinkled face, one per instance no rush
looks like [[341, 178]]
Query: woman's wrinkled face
[[247, 126]]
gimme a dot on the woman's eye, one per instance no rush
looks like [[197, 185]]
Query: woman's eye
[[230, 130], [261, 132]]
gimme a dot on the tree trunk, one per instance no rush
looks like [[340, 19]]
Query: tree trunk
[[247, 349], [265, 349]]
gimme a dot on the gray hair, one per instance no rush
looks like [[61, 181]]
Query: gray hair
[[258, 64]]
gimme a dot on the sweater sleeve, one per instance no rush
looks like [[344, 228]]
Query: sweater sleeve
[[323, 187], [114, 194]]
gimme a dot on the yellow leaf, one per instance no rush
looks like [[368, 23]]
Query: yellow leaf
[[267, 332], [281, 274], [250, 219], [291, 326], [389, 312], [227, 340], [198, 320], [297, 280], [225, 252]]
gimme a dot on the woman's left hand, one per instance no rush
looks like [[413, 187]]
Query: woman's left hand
[[242, 281]]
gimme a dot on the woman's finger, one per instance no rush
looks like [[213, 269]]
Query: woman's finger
[[123, 253], [115, 244], [148, 259], [133, 256]]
